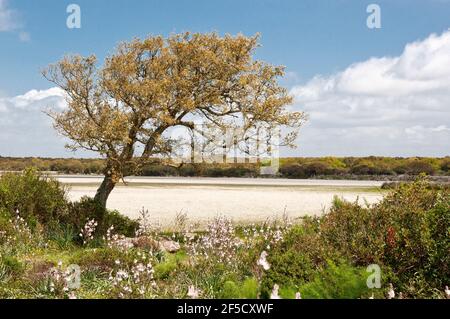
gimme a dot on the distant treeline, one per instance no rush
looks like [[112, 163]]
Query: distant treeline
[[298, 167], [364, 166]]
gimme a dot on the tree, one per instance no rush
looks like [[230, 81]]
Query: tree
[[124, 110]]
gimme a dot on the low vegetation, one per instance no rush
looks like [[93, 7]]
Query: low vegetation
[[298, 167], [47, 243]]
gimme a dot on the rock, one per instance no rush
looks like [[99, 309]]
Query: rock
[[169, 246], [146, 242]]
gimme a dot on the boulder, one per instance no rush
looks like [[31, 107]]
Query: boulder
[[169, 245], [146, 242]]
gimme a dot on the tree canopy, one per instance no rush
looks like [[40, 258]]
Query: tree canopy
[[124, 108]]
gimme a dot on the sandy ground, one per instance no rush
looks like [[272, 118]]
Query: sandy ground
[[88, 179], [243, 200]]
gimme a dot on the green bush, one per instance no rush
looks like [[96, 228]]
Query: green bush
[[123, 225], [371, 169], [230, 290], [356, 232], [295, 260], [445, 166], [42, 201], [164, 269], [248, 289], [337, 281], [6, 227], [407, 234], [87, 208], [293, 171], [158, 170], [416, 167], [36, 197], [10, 266], [189, 170]]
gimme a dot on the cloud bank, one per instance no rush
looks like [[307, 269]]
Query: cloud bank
[[397, 106]]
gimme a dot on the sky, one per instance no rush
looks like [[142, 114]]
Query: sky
[[367, 91]]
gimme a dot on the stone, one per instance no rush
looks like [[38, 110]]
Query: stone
[[169, 245], [146, 242]]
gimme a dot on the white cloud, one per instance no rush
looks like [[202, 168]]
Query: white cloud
[[387, 106], [8, 17], [25, 130], [10, 21]]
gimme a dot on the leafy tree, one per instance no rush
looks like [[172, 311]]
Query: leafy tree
[[124, 109]]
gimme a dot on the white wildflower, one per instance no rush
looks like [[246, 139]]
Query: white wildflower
[[262, 261], [391, 292], [274, 294], [87, 232], [193, 292]]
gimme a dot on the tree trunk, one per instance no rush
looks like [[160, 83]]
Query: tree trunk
[[104, 190]]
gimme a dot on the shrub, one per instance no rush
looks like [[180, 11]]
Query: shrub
[[369, 169], [317, 168], [355, 231], [336, 281], [295, 260], [248, 289], [158, 170], [230, 290], [445, 165], [293, 171], [38, 198], [10, 266], [407, 231], [123, 225], [62, 234], [416, 167], [164, 269], [406, 234], [88, 209], [188, 170]]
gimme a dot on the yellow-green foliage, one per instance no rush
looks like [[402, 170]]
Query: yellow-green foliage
[[248, 289], [290, 166], [38, 198]]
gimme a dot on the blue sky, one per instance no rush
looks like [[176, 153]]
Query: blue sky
[[309, 37]]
